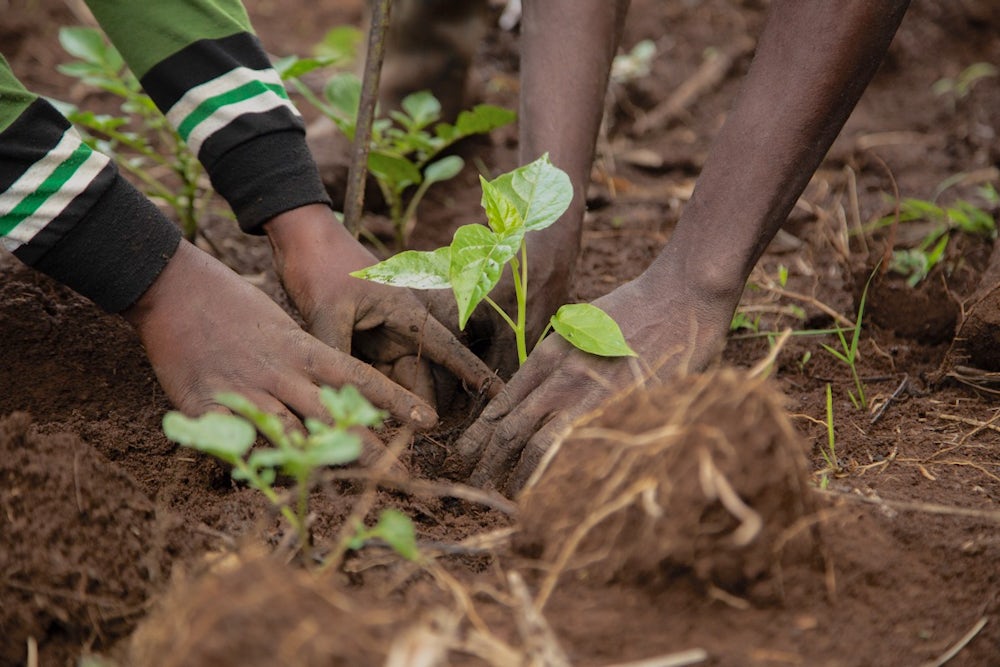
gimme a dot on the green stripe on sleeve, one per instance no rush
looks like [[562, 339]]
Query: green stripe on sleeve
[[213, 104], [52, 184], [147, 31]]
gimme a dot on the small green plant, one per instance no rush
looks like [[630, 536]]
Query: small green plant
[[394, 528], [848, 352], [530, 198], [959, 87], [140, 138], [963, 216], [829, 453], [230, 438], [405, 147]]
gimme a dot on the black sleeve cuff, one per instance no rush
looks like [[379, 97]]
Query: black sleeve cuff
[[116, 251], [269, 175]]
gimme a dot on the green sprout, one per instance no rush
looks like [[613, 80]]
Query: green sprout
[[848, 353], [959, 87], [230, 438], [140, 138], [829, 453], [529, 198], [405, 146], [916, 263]]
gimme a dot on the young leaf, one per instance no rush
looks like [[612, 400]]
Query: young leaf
[[333, 448], [397, 530], [481, 119], [343, 92], [227, 437], [412, 268], [501, 213], [349, 408], [478, 256], [85, 43], [339, 45], [592, 330], [443, 169], [422, 108], [399, 172], [268, 424], [539, 191]]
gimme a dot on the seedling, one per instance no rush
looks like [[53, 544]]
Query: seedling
[[140, 138], [848, 352], [394, 528], [530, 198], [963, 216], [406, 145], [829, 453], [230, 437], [959, 87]]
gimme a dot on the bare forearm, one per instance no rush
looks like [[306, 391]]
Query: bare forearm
[[813, 61], [567, 47]]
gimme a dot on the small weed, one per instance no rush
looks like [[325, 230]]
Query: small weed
[[958, 88], [140, 138], [530, 198], [848, 352], [916, 263], [406, 145], [829, 453], [230, 437]]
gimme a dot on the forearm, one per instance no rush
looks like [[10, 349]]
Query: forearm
[[813, 61], [201, 63], [567, 47], [65, 210]]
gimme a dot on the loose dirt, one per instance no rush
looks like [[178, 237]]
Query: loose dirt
[[698, 519]]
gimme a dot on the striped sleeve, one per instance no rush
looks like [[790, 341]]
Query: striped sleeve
[[200, 61], [65, 210]]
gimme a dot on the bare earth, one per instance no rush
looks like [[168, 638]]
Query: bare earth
[[688, 518]]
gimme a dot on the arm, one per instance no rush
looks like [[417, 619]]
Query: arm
[[204, 67], [820, 56]]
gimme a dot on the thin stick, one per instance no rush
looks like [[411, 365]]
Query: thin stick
[[682, 659], [885, 406], [355, 199], [954, 650]]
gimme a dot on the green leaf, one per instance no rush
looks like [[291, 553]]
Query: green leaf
[[87, 44], [394, 170], [340, 45], [501, 213], [481, 119], [333, 448], [412, 268], [349, 408], [268, 424], [478, 256], [293, 67], [397, 530], [590, 329], [422, 107], [444, 169], [540, 191], [227, 437], [343, 92], [268, 458]]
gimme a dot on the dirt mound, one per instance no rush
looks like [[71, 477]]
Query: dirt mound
[[706, 476], [77, 532], [256, 610]]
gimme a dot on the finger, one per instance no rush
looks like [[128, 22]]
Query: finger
[[507, 443], [535, 450], [416, 376], [440, 346]]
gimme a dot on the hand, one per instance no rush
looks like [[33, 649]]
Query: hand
[[387, 326], [666, 323], [206, 331]]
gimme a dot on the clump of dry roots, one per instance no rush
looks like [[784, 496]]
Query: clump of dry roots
[[704, 476], [253, 609]]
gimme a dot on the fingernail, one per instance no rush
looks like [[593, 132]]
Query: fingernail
[[423, 416]]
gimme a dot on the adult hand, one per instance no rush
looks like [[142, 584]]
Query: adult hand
[[668, 324], [386, 326], [206, 331]]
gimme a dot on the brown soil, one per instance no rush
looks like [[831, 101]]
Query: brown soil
[[106, 527]]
